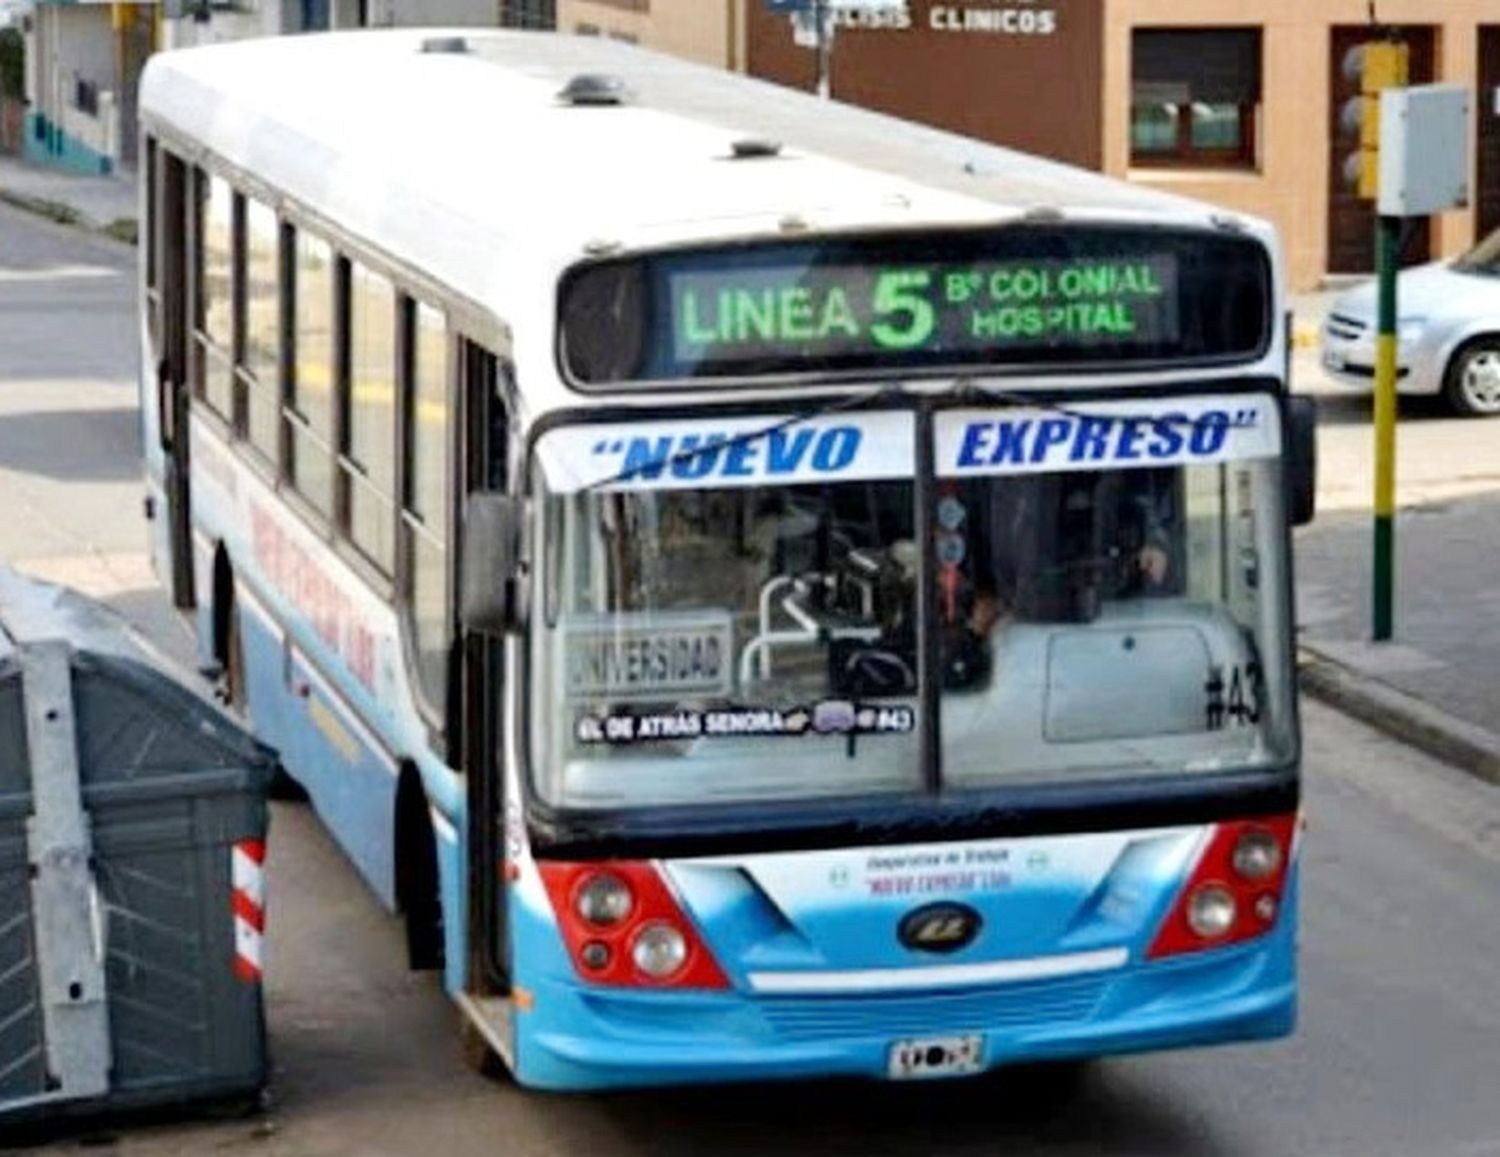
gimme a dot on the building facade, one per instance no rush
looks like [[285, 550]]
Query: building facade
[[82, 63], [83, 58], [1234, 104]]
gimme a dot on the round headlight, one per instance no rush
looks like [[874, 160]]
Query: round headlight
[[1257, 855], [1211, 911], [659, 950], [605, 901]]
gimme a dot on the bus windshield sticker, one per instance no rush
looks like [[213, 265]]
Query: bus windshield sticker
[[742, 313], [720, 452], [649, 656], [1106, 435], [829, 718]]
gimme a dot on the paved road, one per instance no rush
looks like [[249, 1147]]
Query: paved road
[[1396, 1055]]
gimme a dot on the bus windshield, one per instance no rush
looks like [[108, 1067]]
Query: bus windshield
[[710, 633], [709, 612]]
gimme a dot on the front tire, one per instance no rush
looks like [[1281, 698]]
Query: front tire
[[1471, 385]]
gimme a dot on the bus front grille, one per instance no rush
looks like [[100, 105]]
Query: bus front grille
[[811, 1018]]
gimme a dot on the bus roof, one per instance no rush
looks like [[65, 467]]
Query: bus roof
[[467, 165]]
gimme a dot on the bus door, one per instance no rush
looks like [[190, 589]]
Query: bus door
[[483, 462], [168, 321]]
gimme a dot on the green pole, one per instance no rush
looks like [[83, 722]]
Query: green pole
[[1387, 240]]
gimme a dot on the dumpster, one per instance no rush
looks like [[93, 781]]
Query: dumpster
[[132, 836]]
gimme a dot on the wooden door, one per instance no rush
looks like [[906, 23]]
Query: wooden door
[[1487, 134]]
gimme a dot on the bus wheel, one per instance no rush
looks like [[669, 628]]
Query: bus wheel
[[234, 663], [478, 1053]]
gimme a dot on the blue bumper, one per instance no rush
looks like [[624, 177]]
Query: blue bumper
[[578, 1038]]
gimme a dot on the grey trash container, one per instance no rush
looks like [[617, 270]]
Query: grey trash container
[[132, 829]]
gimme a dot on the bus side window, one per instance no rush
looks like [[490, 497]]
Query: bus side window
[[367, 466], [426, 503], [312, 370], [259, 367], [214, 299]]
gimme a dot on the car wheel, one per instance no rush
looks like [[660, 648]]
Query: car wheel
[[1472, 383]]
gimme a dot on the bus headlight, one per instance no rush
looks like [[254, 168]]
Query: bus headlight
[[1211, 911], [604, 901], [659, 950], [1257, 855]]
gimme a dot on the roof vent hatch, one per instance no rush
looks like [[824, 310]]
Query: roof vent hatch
[[594, 89]]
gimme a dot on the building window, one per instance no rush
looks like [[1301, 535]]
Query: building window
[[214, 312], [310, 405], [260, 364], [428, 501], [368, 465], [1195, 97], [540, 14]]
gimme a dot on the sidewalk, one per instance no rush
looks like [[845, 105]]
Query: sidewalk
[[101, 204], [1436, 683]]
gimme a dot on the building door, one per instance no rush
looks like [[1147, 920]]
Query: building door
[[1487, 133], [1351, 222]]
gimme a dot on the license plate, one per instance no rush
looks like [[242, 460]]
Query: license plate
[[941, 1056]]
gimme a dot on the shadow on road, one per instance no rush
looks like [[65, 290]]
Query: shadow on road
[[73, 445], [1359, 409], [1094, 1108]]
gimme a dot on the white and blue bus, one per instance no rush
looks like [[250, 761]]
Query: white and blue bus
[[764, 589]]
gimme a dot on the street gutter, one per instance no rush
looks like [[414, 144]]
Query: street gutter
[[1455, 741], [123, 229]]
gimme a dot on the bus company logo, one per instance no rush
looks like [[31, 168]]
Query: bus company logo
[[1099, 438], [786, 453], [944, 927]]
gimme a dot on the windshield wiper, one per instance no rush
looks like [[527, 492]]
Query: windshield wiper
[[656, 466]]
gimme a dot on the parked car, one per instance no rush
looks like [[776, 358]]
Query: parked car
[[1447, 331]]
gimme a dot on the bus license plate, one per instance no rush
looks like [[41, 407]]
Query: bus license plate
[[943, 1056]]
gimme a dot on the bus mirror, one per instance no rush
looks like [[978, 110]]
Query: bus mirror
[[489, 599], [1301, 460]]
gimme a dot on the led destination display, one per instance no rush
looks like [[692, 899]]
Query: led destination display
[[1045, 295], [727, 314]]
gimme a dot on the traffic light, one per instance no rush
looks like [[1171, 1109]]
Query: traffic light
[[1375, 65]]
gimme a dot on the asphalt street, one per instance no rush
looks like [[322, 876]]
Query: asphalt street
[[1396, 1054]]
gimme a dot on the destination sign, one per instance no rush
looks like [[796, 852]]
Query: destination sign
[[761, 312], [649, 657], [1065, 295]]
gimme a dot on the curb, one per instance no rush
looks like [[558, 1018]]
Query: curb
[[123, 229], [1464, 745]]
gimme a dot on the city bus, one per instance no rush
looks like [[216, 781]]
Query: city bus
[[762, 589]]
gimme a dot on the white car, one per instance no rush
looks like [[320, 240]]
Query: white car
[[1447, 331]]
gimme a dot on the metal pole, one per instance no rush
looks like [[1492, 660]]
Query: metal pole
[[1387, 240], [825, 48]]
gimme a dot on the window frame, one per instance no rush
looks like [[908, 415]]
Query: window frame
[[1184, 154]]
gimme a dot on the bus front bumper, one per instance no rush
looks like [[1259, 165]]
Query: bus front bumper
[[576, 1038]]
